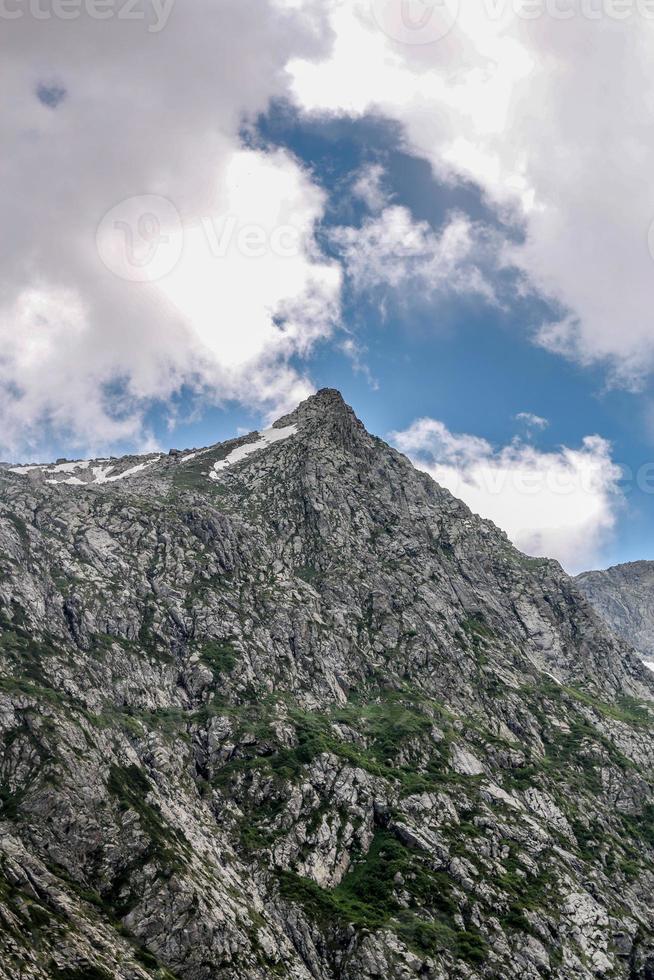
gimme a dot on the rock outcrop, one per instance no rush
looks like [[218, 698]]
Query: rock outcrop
[[624, 597]]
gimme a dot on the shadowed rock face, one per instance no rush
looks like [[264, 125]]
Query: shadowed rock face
[[301, 714], [624, 597]]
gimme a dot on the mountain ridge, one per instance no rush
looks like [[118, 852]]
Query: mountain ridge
[[309, 718], [61, 471]]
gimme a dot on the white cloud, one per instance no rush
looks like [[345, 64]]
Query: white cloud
[[532, 421], [525, 108], [560, 504], [392, 250], [520, 100], [369, 186], [237, 274], [151, 116]]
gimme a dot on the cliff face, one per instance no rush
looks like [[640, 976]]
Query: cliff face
[[624, 598], [285, 707]]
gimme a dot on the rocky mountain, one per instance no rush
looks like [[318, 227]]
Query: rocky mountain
[[624, 598], [284, 707]]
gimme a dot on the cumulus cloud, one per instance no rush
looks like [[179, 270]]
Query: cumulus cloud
[[392, 250], [516, 97], [560, 504], [100, 111]]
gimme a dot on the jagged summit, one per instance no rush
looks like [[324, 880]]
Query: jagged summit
[[285, 707], [327, 402], [324, 400]]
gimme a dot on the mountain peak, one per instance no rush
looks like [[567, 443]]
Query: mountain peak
[[329, 397], [326, 401], [326, 413]]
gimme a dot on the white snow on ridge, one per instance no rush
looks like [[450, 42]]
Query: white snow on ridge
[[99, 473], [103, 475], [649, 663], [91, 472], [82, 464], [266, 438]]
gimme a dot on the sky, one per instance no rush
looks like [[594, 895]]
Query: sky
[[212, 208]]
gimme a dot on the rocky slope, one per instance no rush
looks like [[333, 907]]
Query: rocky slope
[[285, 708], [624, 598]]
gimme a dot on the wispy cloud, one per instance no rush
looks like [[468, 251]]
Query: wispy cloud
[[532, 421], [392, 251]]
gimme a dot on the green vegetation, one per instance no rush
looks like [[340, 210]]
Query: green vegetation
[[528, 891], [19, 525], [194, 475], [626, 709], [24, 652], [28, 911], [583, 749], [308, 573], [367, 899], [219, 656], [87, 972], [640, 825], [25, 741], [387, 728], [130, 787], [477, 628]]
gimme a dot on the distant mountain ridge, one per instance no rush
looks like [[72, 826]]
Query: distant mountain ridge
[[283, 707], [624, 598]]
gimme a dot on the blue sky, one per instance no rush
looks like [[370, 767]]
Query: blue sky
[[464, 362], [472, 234]]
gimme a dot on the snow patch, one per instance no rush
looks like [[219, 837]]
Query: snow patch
[[105, 478], [266, 438], [100, 473], [81, 464], [135, 469], [649, 664]]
